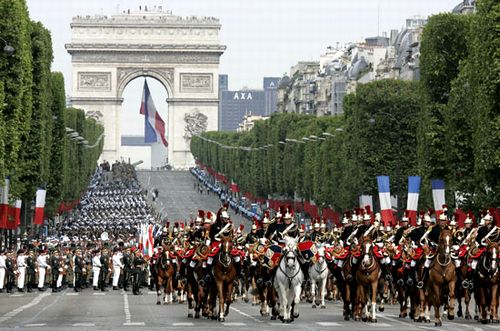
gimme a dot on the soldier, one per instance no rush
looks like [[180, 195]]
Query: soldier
[[54, 265], [252, 237], [347, 229], [402, 228], [104, 269], [79, 270], [21, 269], [137, 272], [96, 269], [42, 268], [10, 270], [2, 269], [127, 266], [261, 233], [117, 267], [316, 234]]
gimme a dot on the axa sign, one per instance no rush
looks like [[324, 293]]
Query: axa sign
[[242, 96]]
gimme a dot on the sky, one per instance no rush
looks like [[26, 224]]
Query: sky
[[263, 37]]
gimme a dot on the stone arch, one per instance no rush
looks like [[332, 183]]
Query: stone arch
[[126, 75]]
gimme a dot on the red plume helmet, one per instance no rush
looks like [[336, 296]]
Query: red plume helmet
[[368, 209], [201, 213], [167, 225], [266, 214], [242, 226]]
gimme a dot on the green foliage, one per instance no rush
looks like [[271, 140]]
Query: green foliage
[[442, 48], [16, 75]]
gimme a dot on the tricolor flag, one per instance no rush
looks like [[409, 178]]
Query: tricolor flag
[[413, 193], [384, 195], [17, 213], [438, 195], [4, 203], [40, 205], [154, 127]]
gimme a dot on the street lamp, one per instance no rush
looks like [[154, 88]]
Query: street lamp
[[7, 49]]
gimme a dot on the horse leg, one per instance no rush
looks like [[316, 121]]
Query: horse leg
[[220, 291], [374, 286], [436, 300], [313, 292], [494, 304], [229, 301], [451, 300], [322, 292], [467, 298], [296, 300]]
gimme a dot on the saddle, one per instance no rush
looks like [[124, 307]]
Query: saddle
[[340, 253]]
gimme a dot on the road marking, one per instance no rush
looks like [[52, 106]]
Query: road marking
[[278, 324], [246, 315], [134, 324], [17, 295], [72, 293], [328, 324], [128, 316], [183, 324], [233, 324], [35, 324], [380, 324], [98, 293], [18, 310], [151, 292], [83, 324]]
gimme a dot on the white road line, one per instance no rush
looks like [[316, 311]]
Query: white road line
[[98, 293], [83, 324], [183, 324], [126, 308], [233, 324], [17, 295], [328, 324], [35, 325], [72, 293], [134, 324], [246, 315], [18, 310]]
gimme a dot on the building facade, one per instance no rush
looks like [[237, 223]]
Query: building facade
[[235, 105]]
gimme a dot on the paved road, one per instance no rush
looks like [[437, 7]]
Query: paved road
[[118, 310], [178, 198]]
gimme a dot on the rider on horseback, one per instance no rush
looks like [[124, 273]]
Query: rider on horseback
[[432, 236]]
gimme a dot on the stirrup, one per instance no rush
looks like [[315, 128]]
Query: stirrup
[[400, 282], [409, 282], [420, 284], [465, 284]]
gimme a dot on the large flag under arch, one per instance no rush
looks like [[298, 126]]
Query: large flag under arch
[[154, 126]]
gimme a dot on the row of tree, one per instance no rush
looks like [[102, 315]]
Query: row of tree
[[445, 126], [35, 150]]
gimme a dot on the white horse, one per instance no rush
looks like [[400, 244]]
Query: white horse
[[318, 275], [288, 281]]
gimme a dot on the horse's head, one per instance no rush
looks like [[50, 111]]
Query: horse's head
[[445, 241], [226, 245], [366, 246], [321, 253]]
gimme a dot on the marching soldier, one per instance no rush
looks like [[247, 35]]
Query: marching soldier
[[55, 265], [30, 271], [117, 267]]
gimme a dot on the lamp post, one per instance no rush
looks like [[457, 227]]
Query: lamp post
[[7, 49], [372, 121]]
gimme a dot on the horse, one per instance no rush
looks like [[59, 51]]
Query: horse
[[486, 283], [463, 291], [288, 281], [224, 275], [163, 276], [442, 278], [367, 277], [318, 275]]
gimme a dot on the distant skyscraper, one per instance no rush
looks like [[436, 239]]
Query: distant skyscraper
[[234, 105]]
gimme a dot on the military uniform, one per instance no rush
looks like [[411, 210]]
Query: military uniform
[[137, 273]]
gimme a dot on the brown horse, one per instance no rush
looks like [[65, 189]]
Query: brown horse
[[463, 292], [224, 274], [442, 278], [367, 277], [486, 284], [163, 277]]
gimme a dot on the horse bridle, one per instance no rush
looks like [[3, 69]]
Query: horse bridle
[[294, 257], [224, 256]]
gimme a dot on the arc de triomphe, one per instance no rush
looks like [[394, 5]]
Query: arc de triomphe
[[181, 52]]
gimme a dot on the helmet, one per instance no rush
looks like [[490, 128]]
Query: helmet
[[316, 225], [453, 222], [442, 217], [345, 220], [266, 218], [201, 217], [224, 215], [254, 226]]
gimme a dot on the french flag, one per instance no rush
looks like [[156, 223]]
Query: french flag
[[4, 203], [154, 126], [438, 195], [412, 203], [39, 206], [384, 195]]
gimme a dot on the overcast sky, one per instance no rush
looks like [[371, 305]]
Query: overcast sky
[[263, 37]]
